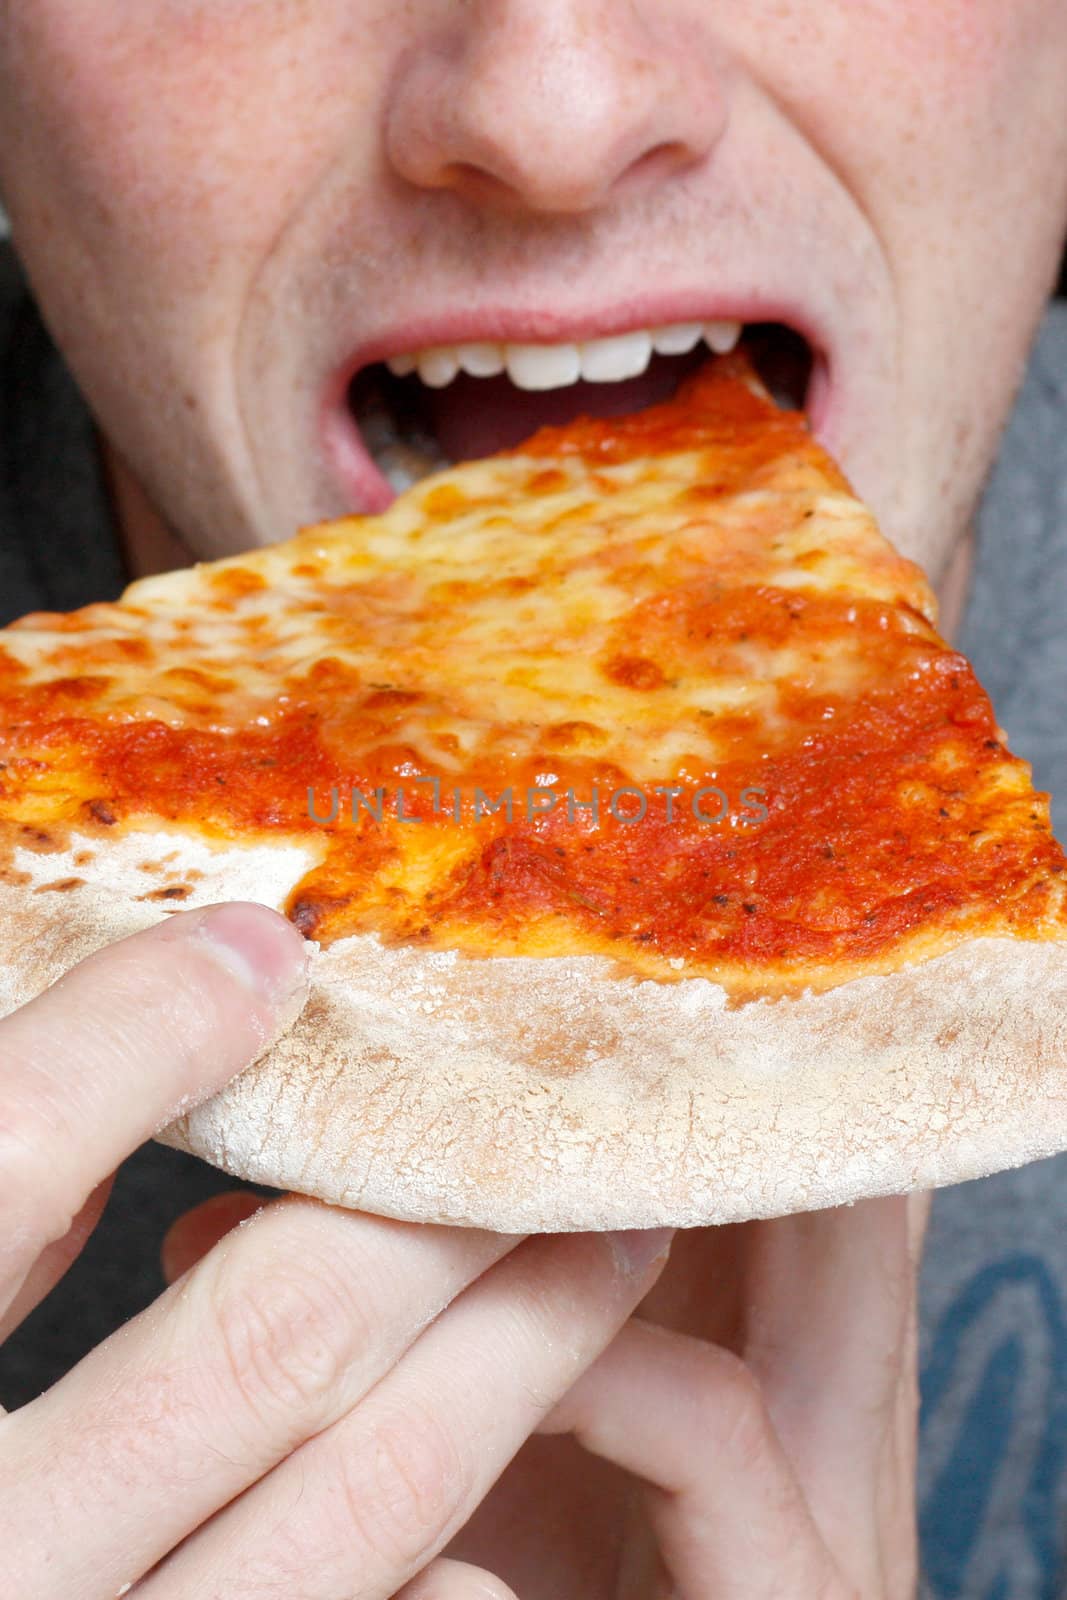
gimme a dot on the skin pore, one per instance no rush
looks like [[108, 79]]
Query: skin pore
[[225, 205]]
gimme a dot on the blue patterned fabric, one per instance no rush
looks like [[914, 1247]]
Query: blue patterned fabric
[[985, 1416], [993, 1308]]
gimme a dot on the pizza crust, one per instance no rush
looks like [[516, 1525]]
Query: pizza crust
[[543, 1095]]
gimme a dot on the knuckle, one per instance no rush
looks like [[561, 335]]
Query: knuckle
[[285, 1336], [403, 1485]]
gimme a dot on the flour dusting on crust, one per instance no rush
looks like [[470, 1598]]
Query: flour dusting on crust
[[548, 1094]]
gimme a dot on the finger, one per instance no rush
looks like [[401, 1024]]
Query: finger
[[455, 1580], [282, 1328], [55, 1259], [119, 1045], [688, 1418], [199, 1229], [899, 1543], [831, 1297], [376, 1496], [918, 1203]]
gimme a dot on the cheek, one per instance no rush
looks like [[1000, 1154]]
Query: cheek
[[959, 65], [952, 41], [974, 93], [191, 125], [923, 105]]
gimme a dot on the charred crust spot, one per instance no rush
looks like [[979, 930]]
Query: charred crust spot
[[36, 838], [102, 812], [634, 672], [170, 891], [60, 886], [307, 912], [304, 915]]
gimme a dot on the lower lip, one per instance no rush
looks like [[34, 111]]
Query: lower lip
[[817, 401], [369, 491]]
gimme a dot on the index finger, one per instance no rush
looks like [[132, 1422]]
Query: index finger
[[120, 1045]]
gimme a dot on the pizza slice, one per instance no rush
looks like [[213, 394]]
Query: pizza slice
[[664, 865]]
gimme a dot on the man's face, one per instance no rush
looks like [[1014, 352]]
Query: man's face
[[229, 208]]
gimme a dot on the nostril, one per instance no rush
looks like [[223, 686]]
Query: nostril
[[477, 183], [666, 158]]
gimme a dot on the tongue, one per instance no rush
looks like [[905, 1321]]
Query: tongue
[[473, 417]]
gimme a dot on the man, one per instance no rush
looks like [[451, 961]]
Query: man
[[226, 211]]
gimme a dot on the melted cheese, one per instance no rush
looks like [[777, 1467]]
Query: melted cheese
[[687, 600]]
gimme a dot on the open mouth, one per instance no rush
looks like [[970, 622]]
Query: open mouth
[[425, 409]]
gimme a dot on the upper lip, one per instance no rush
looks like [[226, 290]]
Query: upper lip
[[540, 325]]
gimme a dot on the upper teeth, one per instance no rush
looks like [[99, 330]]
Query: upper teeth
[[553, 366]]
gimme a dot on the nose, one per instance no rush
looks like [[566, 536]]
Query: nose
[[554, 105]]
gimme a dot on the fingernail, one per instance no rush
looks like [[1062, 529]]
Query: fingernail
[[258, 946], [637, 1248]]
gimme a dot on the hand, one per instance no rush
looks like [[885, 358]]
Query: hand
[[750, 1434], [320, 1402]]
